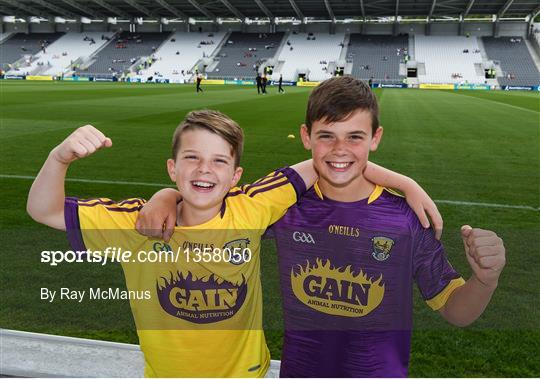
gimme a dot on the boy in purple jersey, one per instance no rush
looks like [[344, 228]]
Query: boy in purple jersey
[[349, 251]]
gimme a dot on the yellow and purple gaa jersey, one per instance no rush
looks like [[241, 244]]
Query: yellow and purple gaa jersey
[[347, 272], [198, 314]]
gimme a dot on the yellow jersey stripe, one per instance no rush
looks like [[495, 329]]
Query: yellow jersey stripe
[[272, 174], [279, 181], [439, 300], [377, 192], [265, 180], [318, 190], [126, 204]]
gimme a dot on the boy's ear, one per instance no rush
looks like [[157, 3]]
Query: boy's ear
[[171, 169], [306, 139], [376, 139], [237, 175]]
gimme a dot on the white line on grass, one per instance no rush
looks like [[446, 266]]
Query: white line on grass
[[498, 102], [490, 205], [121, 182]]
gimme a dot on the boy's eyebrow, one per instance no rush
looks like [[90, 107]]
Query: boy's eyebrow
[[215, 155], [349, 133], [358, 132], [223, 156]]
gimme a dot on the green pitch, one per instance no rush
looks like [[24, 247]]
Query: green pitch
[[466, 148]]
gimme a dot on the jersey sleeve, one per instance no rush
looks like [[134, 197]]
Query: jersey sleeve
[[266, 200], [96, 224], [433, 273]]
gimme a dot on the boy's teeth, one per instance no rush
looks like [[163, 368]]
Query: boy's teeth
[[339, 165], [203, 184]]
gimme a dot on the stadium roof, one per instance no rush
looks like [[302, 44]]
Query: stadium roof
[[241, 9]]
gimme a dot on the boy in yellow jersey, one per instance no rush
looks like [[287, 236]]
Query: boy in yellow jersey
[[198, 309]]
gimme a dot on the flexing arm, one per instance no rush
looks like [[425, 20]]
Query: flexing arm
[[46, 198], [486, 255]]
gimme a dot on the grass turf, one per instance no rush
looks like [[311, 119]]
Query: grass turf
[[462, 146]]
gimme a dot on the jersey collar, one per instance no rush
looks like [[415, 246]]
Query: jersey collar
[[377, 192]]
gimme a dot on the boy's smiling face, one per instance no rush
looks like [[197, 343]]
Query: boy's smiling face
[[204, 169], [341, 149]]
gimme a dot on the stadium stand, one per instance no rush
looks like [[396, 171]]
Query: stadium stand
[[515, 60], [449, 59], [122, 52], [181, 52], [242, 52], [311, 54], [4, 36], [536, 35], [22, 45], [377, 56], [65, 50]]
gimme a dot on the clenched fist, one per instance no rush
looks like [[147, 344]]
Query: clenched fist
[[81, 143], [485, 253]]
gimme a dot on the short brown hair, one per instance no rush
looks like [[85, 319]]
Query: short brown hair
[[337, 98], [215, 122]]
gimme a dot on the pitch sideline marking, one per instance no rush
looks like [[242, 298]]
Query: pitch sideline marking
[[498, 102], [161, 185]]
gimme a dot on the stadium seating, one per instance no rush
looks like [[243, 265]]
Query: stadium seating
[[376, 56], [169, 64], [21, 45], [4, 36], [536, 36], [515, 60], [305, 53], [448, 59], [120, 54], [67, 49], [237, 61]]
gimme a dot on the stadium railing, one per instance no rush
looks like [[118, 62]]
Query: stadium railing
[[25, 354]]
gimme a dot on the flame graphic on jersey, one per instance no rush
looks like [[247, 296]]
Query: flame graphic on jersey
[[201, 300], [336, 290]]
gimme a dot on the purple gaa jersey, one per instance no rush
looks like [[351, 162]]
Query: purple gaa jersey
[[347, 272]]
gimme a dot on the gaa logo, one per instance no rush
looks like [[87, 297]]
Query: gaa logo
[[161, 246], [303, 237]]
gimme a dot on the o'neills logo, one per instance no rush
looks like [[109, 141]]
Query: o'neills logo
[[336, 290], [343, 230], [202, 301]]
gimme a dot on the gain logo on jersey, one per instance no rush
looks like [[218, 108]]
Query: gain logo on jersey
[[336, 290], [381, 248], [202, 301]]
